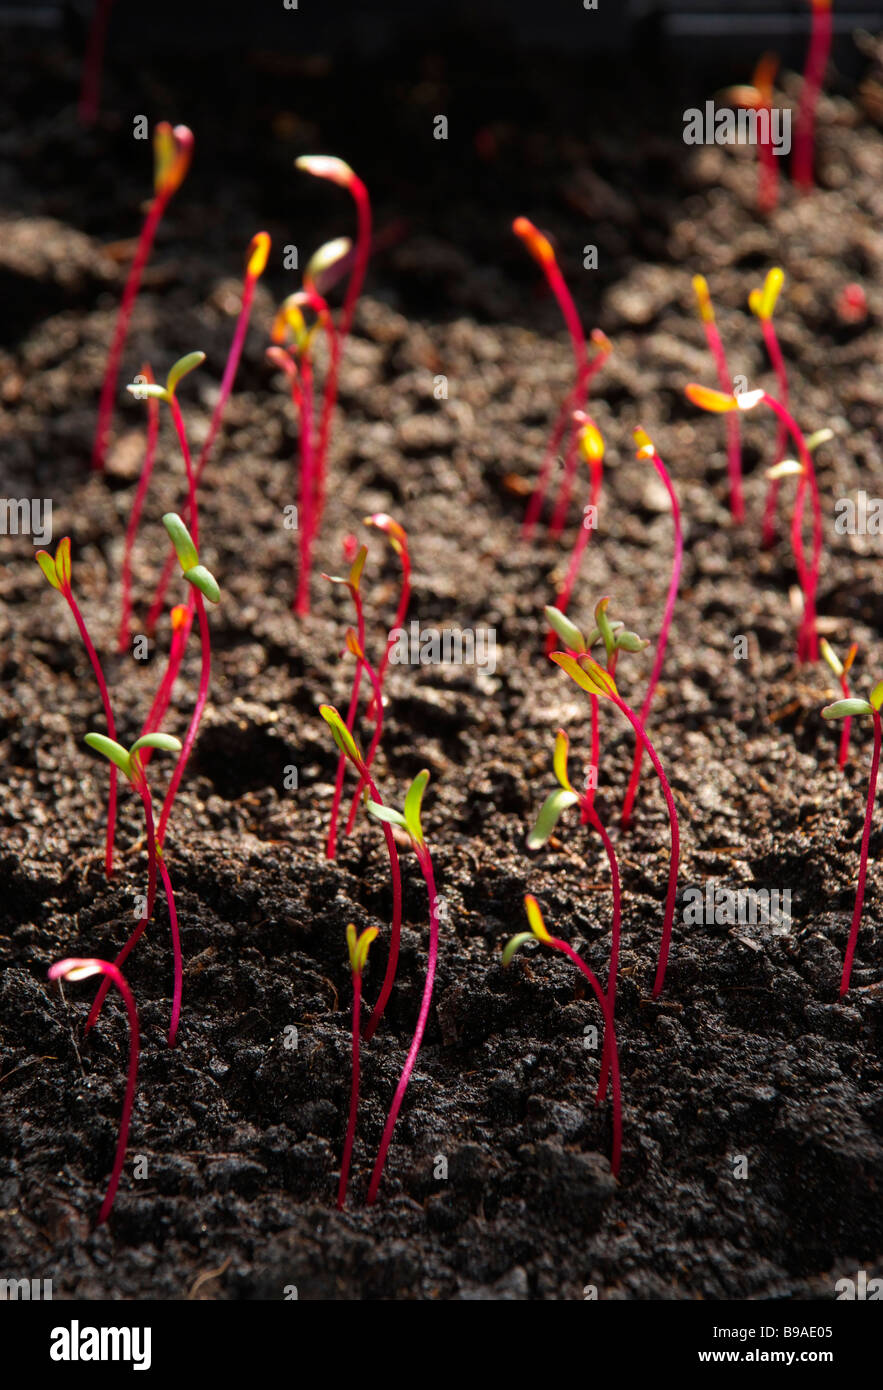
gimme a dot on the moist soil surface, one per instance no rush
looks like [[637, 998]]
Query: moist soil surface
[[752, 1095]]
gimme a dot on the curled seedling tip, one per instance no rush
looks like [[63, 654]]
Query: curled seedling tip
[[341, 734], [188, 558], [142, 390], [172, 152], [703, 299], [721, 401], [326, 266], [258, 252], [326, 166], [58, 569], [762, 302], [358, 947], [538, 930], [591, 441], [538, 245], [395, 534], [785, 468]]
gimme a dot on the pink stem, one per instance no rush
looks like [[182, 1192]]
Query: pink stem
[[130, 293], [632, 790], [395, 932], [538, 495], [675, 842], [425, 862], [176, 952], [163, 696], [847, 725], [111, 727], [93, 62], [375, 740], [813, 77], [583, 536], [112, 976], [189, 737], [136, 935], [331, 844], [808, 646], [354, 1095], [778, 364], [308, 521], [734, 439], [193, 514], [597, 824], [609, 1031], [863, 861], [135, 517]]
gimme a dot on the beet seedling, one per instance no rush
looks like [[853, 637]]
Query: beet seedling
[[137, 508], [598, 682], [409, 820], [734, 439], [83, 968], [353, 583], [762, 304], [58, 572], [151, 391], [358, 953], [647, 450], [591, 448], [721, 402], [181, 619], [255, 265], [851, 708], [542, 252], [172, 152], [556, 803], [539, 930], [348, 746], [758, 96], [129, 763], [813, 77], [841, 670]]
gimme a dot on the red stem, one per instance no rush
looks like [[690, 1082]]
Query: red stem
[[331, 844], [674, 581], [176, 952], [778, 364], [847, 725], [130, 292], [675, 842], [111, 727], [610, 1032], [813, 77], [583, 536], [354, 1095], [597, 824], [135, 517], [136, 935], [202, 696], [425, 862], [163, 696], [863, 861], [307, 519], [808, 646], [734, 438]]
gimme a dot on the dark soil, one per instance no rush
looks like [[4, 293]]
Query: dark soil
[[748, 1051]]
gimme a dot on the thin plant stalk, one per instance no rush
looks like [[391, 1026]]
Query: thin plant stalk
[[182, 619], [82, 968], [308, 489], [135, 517], [777, 361], [863, 860], [331, 843], [648, 450], [193, 726], [425, 861], [808, 646], [813, 78], [562, 504], [178, 964], [734, 432], [583, 536], [589, 812], [354, 1093], [111, 727]]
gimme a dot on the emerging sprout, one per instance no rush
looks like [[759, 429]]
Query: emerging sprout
[[762, 303], [58, 571], [813, 77], [759, 97], [539, 930], [83, 968], [716, 347], [845, 709], [591, 450], [172, 152], [358, 952]]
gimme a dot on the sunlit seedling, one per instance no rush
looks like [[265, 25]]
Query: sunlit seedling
[[813, 77], [358, 953], [841, 670], [539, 931], [848, 709], [725, 380]]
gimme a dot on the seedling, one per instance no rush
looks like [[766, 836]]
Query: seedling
[[129, 763], [348, 746], [358, 953], [202, 585], [861, 708], [598, 682], [172, 152], [181, 618], [256, 261], [352, 583], [409, 820], [808, 575], [398, 539], [539, 930], [137, 508], [151, 391], [841, 670], [591, 448], [83, 968], [647, 450], [762, 303], [58, 572], [337, 171], [541, 249], [759, 97], [813, 77], [734, 440], [553, 807]]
